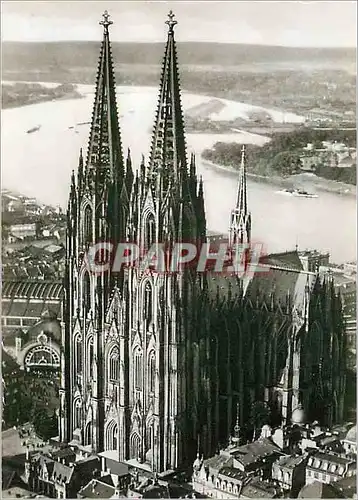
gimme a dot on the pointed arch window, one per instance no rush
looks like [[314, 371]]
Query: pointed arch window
[[138, 369], [87, 226], [151, 371], [78, 354], [77, 424], [113, 364], [148, 303], [149, 230], [86, 291], [149, 442], [112, 436], [90, 355], [135, 446], [88, 433]]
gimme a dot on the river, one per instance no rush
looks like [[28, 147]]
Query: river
[[39, 164]]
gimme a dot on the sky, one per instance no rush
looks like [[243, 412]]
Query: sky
[[287, 23]]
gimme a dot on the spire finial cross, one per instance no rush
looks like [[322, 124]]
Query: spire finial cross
[[171, 21], [106, 22]]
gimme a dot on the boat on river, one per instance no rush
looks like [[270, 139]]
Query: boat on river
[[34, 129], [300, 193]]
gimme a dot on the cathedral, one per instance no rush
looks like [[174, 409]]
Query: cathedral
[[153, 363]]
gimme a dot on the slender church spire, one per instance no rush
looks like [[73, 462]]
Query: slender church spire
[[241, 203], [240, 227], [104, 154], [168, 149]]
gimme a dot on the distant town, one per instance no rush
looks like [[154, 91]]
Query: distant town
[[33, 237]]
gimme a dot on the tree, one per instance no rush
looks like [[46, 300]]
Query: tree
[[286, 163], [46, 426]]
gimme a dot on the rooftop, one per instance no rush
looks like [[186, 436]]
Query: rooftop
[[351, 435], [218, 461], [327, 457], [257, 488], [255, 451], [233, 473], [97, 489], [290, 461], [32, 288], [319, 490]]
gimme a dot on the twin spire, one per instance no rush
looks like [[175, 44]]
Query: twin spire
[[167, 162], [104, 156], [168, 150]]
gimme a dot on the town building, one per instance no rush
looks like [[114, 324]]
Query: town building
[[225, 475], [350, 442], [290, 473], [11, 203], [102, 487], [40, 347], [152, 361], [350, 268], [329, 154], [329, 467], [24, 230], [312, 260], [56, 477], [23, 302]]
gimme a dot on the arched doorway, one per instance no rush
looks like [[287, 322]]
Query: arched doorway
[[112, 436]]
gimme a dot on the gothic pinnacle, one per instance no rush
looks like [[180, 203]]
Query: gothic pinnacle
[[106, 22], [171, 22]]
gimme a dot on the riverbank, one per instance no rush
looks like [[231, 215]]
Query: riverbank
[[307, 180], [17, 94]]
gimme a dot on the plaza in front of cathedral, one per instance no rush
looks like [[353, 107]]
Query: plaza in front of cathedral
[[174, 384]]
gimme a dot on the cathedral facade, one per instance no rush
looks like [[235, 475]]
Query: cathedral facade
[[151, 361]]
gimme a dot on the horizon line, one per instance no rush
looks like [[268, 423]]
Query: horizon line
[[304, 47]]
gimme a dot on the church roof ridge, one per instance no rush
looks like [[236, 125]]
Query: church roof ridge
[[288, 269]]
